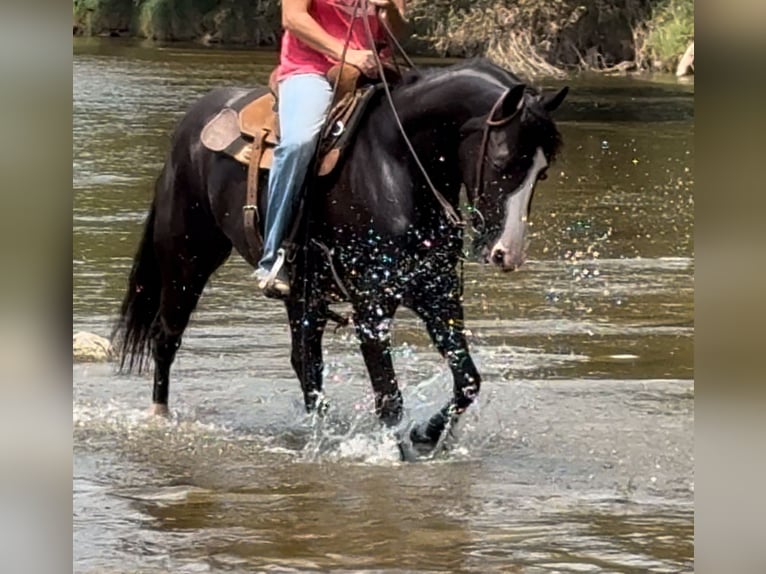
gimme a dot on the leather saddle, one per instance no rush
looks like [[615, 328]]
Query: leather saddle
[[248, 131]]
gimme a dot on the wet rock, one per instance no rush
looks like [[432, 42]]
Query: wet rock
[[91, 348], [209, 39], [686, 64]]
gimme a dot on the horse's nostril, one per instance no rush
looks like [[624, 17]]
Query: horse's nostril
[[497, 256]]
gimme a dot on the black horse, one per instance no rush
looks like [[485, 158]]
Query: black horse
[[379, 232]]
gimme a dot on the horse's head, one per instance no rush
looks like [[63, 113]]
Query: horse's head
[[516, 143]]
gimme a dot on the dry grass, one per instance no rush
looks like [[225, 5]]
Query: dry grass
[[531, 37], [554, 37]]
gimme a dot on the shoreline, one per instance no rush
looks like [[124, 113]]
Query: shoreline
[[536, 39], [82, 43]]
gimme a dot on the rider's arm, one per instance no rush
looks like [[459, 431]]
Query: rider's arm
[[393, 13], [296, 19]]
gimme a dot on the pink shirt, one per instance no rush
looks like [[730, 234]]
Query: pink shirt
[[334, 16]]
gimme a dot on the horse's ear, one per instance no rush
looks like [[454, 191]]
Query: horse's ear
[[551, 103], [512, 101]]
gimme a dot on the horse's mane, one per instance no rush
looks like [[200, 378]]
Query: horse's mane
[[534, 120], [418, 75]]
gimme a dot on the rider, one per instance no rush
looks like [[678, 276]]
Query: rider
[[314, 40]]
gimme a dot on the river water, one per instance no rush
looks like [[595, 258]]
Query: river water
[[578, 458]]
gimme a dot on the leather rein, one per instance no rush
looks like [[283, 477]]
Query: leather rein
[[449, 210], [489, 123], [475, 194]]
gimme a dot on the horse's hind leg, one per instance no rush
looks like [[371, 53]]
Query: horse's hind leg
[[440, 307], [373, 327], [186, 261]]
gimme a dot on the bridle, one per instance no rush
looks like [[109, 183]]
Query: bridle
[[473, 194]]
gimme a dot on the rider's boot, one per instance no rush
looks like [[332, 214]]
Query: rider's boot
[[274, 282]]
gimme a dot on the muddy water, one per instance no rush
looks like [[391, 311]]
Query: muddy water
[[579, 456]]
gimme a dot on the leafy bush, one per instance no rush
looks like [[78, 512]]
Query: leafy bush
[[93, 17], [534, 36], [172, 19], [668, 33]]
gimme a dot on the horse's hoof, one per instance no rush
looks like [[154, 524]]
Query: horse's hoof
[[428, 439], [414, 447], [391, 420], [323, 405], [318, 406], [421, 440], [390, 409], [414, 444], [158, 410]]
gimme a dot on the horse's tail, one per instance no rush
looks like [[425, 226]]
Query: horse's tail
[[141, 302]]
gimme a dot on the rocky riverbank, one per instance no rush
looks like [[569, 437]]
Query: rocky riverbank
[[91, 348]]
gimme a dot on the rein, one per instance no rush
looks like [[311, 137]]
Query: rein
[[449, 211], [345, 49], [473, 195]]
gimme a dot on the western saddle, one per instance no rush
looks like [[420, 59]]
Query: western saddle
[[248, 131]]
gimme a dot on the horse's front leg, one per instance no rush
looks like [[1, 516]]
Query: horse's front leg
[[307, 327], [373, 327], [438, 303]]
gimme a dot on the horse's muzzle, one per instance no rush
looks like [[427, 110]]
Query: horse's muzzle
[[504, 258]]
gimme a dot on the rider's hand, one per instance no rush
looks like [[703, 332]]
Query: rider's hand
[[364, 60]]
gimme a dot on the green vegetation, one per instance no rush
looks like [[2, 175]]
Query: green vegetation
[[246, 22], [668, 33], [534, 37], [172, 20], [94, 17]]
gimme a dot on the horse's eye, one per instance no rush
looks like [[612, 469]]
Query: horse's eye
[[543, 176]]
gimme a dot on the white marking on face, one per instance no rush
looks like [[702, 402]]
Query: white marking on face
[[516, 208]]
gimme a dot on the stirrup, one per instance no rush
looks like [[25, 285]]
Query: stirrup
[[275, 285], [276, 268]]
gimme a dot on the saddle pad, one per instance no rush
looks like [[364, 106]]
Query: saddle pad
[[234, 128]]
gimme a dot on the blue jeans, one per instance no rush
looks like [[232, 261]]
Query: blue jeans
[[304, 101]]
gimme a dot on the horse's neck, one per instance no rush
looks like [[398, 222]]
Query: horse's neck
[[432, 112], [449, 98]]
